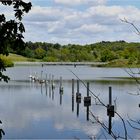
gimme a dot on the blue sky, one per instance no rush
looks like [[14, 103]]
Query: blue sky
[[82, 21]]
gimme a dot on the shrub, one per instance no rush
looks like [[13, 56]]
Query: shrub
[[7, 62]]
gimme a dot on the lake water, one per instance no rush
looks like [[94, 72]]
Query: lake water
[[29, 110]]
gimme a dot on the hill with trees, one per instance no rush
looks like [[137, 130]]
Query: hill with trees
[[118, 53]]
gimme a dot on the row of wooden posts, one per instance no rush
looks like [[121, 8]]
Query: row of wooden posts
[[87, 99]]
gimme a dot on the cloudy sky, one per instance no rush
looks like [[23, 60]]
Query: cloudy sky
[[82, 21]]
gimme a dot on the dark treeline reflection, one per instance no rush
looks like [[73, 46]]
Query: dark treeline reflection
[[1, 131]]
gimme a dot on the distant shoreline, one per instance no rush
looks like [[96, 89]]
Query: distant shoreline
[[61, 63]]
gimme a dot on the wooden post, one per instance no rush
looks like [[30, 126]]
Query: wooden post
[[110, 111], [60, 99], [88, 106], [110, 95], [72, 95], [87, 89], [46, 84], [50, 85], [61, 88], [52, 94], [77, 86], [77, 109], [78, 98], [52, 82], [78, 94], [109, 124], [41, 89], [87, 101], [72, 86]]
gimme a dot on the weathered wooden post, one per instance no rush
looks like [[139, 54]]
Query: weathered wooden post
[[50, 85], [110, 111], [60, 98], [53, 86], [78, 98], [52, 94], [61, 90], [46, 85], [87, 101], [72, 95], [41, 89]]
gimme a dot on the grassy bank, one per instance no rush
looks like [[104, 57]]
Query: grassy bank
[[11, 58], [20, 58], [121, 63]]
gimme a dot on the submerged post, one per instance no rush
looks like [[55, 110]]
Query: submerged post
[[110, 111], [72, 95], [77, 109], [50, 85], [53, 85], [46, 84], [61, 90], [87, 101], [88, 105], [78, 98], [110, 95], [60, 99], [77, 86], [52, 94]]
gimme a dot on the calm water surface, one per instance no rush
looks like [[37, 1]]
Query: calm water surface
[[31, 111]]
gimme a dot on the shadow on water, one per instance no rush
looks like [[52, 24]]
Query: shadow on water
[[1, 131]]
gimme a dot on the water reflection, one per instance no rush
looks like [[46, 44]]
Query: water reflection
[[45, 118], [1, 131]]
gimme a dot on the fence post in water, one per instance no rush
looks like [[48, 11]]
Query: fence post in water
[[77, 86], [87, 101], [78, 98], [46, 82], [72, 95], [110, 111], [52, 82], [50, 85], [61, 90]]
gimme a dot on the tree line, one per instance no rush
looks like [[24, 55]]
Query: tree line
[[117, 52]]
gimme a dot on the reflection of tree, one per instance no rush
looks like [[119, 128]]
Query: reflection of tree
[[96, 119], [1, 132]]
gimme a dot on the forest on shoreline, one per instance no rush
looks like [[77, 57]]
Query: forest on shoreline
[[117, 53]]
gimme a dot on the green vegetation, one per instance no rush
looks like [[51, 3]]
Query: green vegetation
[[117, 54], [6, 61], [20, 58], [11, 32]]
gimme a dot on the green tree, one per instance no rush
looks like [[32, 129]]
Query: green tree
[[40, 53], [28, 52], [11, 31], [107, 55]]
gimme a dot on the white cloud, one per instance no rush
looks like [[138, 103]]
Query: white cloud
[[72, 25], [40, 14], [80, 2], [92, 28]]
